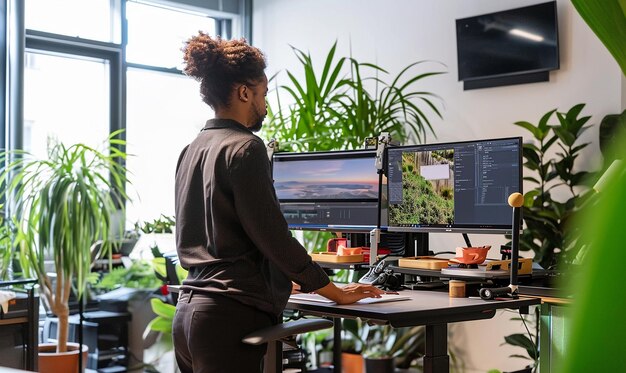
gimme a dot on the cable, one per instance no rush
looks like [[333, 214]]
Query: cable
[[531, 339]]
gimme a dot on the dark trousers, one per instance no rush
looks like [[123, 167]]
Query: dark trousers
[[208, 330]]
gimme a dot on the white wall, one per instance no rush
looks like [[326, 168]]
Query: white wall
[[623, 92], [394, 33]]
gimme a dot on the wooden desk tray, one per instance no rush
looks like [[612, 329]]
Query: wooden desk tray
[[423, 263], [334, 258]]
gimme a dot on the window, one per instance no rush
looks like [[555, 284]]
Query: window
[[93, 19], [156, 34], [160, 122], [67, 99]]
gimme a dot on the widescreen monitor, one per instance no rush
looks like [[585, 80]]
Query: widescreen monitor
[[453, 187], [334, 191]]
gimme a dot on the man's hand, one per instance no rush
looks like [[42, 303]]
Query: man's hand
[[295, 288], [350, 293]]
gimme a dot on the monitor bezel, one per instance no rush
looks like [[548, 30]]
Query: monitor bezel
[[461, 228]]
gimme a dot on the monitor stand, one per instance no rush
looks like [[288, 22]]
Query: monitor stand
[[415, 244], [467, 240]]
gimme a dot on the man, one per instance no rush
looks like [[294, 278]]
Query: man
[[230, 233]]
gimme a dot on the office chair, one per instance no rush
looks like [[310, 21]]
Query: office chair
[[276, 335]]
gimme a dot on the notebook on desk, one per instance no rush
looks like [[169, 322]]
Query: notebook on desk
[[318, 298]]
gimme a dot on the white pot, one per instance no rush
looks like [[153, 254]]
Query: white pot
[[143, 249]]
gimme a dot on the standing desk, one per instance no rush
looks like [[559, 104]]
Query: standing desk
[[432, 309]]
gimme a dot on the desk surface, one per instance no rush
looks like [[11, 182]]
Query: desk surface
[[424, 308]]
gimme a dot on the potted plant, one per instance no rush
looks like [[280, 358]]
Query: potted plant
[[349, 102], [547, 218], [62, 206], [378, 348], [157, 236]]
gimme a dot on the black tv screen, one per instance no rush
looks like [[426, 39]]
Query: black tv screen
[[511, 42]]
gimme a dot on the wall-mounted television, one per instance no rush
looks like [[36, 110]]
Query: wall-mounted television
[[509, 47]]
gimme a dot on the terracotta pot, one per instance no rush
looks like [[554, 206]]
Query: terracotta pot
[[473, 255], [67, 362], [351, 363]]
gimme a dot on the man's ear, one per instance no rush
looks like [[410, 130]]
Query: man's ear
[[243, 92]]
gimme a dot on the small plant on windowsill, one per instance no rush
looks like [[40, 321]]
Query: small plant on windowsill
[[162, 224], [156, 237]]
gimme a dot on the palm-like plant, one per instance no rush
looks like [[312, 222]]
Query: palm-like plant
[[339, 109], [5, 249], [61, 207]]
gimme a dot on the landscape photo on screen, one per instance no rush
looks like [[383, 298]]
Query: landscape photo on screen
[[427, 189], [324, 179]]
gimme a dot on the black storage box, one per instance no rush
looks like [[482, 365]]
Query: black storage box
[[18, 307]]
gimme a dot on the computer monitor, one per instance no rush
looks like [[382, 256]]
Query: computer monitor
[[453, 187], [334, 191]]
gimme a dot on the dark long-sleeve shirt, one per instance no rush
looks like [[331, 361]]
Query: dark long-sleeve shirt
[[230, 232]]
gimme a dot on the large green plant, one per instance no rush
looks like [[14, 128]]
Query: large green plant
[[607, 19], [547, 218], [62, 206], [599, 290], [348, 102]]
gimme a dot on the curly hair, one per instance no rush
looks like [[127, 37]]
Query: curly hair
[[220, 64]]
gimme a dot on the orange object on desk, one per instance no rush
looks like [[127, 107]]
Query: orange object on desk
[[472, 255], [342, 250], [333, 245], [366, 252]]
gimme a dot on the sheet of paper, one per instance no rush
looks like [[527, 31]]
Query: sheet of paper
[[321, 299]]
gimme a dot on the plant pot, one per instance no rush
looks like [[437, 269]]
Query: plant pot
[[379, 365], [51, 361], [351, 363]]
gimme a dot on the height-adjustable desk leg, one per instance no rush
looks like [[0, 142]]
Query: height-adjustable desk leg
[[436, 359], [337, 345]]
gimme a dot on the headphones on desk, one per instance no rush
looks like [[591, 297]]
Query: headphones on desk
[[382, 276], [390, 280]]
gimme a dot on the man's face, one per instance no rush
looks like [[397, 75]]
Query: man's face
[[258, 109]]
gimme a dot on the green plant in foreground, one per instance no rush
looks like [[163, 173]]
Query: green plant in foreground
[[598, 289], [62, 206]]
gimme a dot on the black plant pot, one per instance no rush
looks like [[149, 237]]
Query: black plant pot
[[380, 365]]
